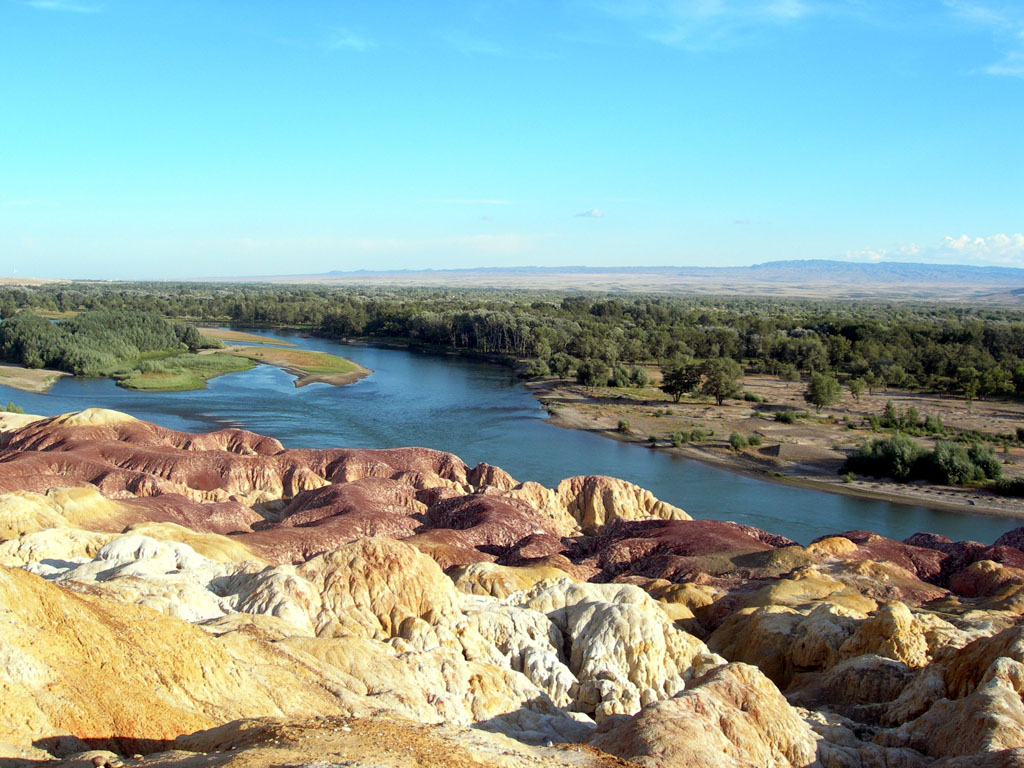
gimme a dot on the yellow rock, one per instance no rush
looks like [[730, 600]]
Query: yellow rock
[[501, 580], [223, 549]]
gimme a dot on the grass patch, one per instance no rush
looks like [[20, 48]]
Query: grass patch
[[182, 372], [300, 361]]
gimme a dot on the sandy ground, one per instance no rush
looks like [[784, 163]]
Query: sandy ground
[[28, 379], [808, 453], [226, 334]]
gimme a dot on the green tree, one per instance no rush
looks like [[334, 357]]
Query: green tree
[[638, 377], [856, 387], [679, 377], [822, 390], [722, 376], [592, 372]]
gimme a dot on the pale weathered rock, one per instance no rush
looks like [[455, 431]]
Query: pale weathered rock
[[732, 717]]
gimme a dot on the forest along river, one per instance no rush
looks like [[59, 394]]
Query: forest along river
[[479, 412]]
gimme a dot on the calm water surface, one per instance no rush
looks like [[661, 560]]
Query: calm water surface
[[479, 412]]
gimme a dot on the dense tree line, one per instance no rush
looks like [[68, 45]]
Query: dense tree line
[[976, 352], [92, 343]]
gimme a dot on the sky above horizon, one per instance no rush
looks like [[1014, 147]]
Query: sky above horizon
[[160, 139]]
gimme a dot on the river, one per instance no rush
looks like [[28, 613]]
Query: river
[[480, 412]]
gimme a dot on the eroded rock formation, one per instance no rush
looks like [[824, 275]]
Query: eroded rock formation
[[166, 591]]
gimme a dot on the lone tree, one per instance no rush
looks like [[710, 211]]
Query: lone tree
[[722, 377], [679, 377], [856, 387], [592, 372], [822, 390]]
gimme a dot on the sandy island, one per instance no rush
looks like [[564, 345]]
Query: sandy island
[[306, 365], [808, 453]]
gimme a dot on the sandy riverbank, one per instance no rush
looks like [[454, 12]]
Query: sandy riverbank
[[815, 449], [38, 380]]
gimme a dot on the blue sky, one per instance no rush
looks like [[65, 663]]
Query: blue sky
[[159, 139]]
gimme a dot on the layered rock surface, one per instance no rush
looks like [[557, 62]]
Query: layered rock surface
[[167, 591]]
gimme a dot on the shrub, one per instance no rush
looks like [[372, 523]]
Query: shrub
[[787, 417], [754, 440], [537, 369], [620, 376], [885, 457], [678, 438], [1020, 434], [638, 377], [984, 458], [1010, 486], [750, 397], [933, 425], [737, 441], [623, 425], [949, 464], [12, 408]]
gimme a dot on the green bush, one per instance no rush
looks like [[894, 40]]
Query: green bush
[[885, 457], [537, 369], [754, 440], [1009, 486], [12, 408], [750, 397], [623, 425], [949, 464], [737, 441], [984, 457], [787, 417]]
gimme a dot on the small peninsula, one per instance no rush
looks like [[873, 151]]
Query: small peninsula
[[144, 351]]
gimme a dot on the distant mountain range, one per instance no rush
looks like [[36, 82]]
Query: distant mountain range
[[807, 279], [806, 270]]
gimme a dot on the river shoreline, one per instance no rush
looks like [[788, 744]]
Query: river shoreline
[[809, 475]]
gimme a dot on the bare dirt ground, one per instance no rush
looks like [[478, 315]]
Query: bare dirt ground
[[28, 379], [241, 337], [809, 452]]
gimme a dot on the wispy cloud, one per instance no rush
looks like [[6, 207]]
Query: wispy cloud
[[593, 213], [346, 40], [1005, 21], [64, 5], [997, 250], [706, 24]]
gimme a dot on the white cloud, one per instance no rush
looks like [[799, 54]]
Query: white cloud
[[1005, 21], [593, 213], [64, 5], [345, 40], [995, 250]]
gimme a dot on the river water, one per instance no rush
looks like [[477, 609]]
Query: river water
[[481, 413]]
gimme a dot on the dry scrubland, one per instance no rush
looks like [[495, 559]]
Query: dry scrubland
[[809, 451]]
